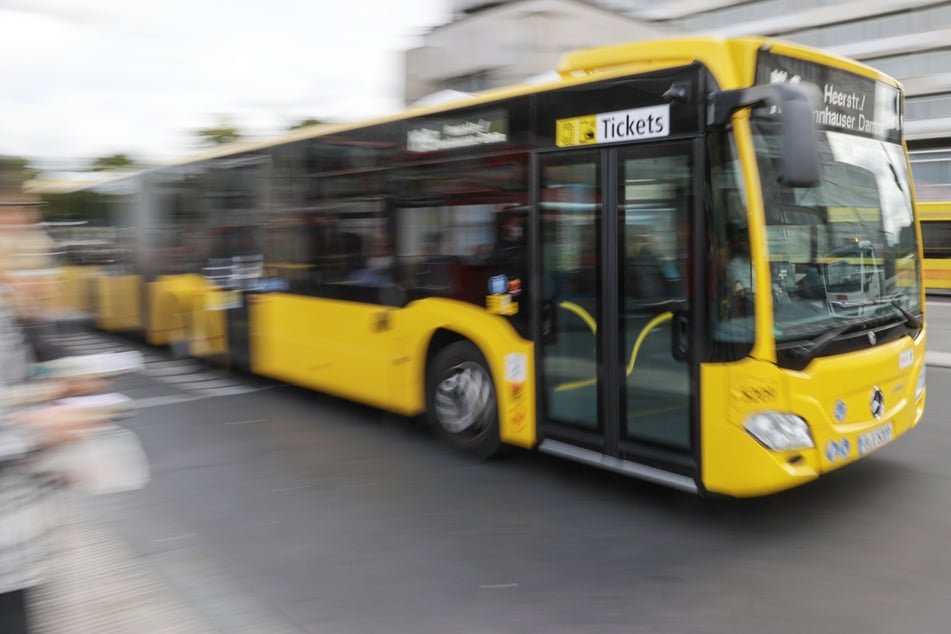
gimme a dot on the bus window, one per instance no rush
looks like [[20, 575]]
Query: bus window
[[461, 224], [655, 196], [936, 238], [570, 202]]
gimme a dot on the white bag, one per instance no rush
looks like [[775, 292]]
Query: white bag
[[107, 460]]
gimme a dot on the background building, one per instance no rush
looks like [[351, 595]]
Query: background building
[[491, 44], [502, 43]]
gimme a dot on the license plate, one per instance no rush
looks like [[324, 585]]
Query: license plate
[[870, 441]]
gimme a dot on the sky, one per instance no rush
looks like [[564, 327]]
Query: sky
[[92, 78]]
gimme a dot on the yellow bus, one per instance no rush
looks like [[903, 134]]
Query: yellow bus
[[931, 169], [935, 220], [647, 264]]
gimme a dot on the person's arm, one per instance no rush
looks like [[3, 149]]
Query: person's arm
[[36, 392], [25, 394], [739, 276], [25, 433]]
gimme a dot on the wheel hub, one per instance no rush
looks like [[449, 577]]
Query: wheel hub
[[463, 398]]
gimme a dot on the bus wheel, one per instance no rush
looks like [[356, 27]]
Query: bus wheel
[[461, 402]]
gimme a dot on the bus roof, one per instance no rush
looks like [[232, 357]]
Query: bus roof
[[730, 60]]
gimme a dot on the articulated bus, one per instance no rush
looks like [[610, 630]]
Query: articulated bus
[[935, 218], [932, 176], [694, 261]]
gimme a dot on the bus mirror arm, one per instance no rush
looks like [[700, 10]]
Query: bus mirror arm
[[800, 151]]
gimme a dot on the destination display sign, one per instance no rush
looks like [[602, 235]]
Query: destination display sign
[[848, 103], [449, 133]]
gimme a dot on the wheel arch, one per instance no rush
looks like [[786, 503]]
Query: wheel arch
[[509, 359], [441, 338]]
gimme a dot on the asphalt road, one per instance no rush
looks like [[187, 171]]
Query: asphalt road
[[273, 509], [938, 312]]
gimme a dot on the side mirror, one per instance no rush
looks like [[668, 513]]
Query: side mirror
[[800, 152]]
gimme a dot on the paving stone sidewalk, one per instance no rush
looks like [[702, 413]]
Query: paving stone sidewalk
[[97, 586]]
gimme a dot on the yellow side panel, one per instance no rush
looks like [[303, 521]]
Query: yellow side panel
[[79, 289], [933, 210], [328, 345], [171, 301], [119, 302], [937, 274], [734, 463], [208, 335], [377, 355]]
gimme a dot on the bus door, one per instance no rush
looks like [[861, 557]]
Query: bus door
[[615, 320]]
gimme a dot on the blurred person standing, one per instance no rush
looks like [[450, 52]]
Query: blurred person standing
[[30, 427], [28, 265]]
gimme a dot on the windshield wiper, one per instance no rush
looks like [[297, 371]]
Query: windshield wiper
[[811, 348], [910, 319]]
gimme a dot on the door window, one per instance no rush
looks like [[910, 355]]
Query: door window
[[570, 205], [654, 201]]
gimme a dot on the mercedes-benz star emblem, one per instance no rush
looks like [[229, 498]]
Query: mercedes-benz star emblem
[[878, 403], [872, 338]]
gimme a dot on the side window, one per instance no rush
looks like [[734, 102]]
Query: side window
[[936, 238], [439, 243], [344, 252], [458, 225], [289, 251], [352, 250], [330, 229]]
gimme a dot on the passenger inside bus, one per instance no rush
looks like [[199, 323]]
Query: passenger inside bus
[[644, 270], [739, 271], [810, 285], [377, 269], [509, 255]]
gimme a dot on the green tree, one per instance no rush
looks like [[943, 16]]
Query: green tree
[[305, 123], [18, 166], [112, 162], [220, 134]]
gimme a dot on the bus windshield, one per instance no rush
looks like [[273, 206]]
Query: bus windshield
[[842, 255]]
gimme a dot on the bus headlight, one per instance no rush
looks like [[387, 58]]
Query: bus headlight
[[920, 388], [779, 431]]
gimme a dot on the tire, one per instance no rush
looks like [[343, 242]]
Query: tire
[[461, 403]]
